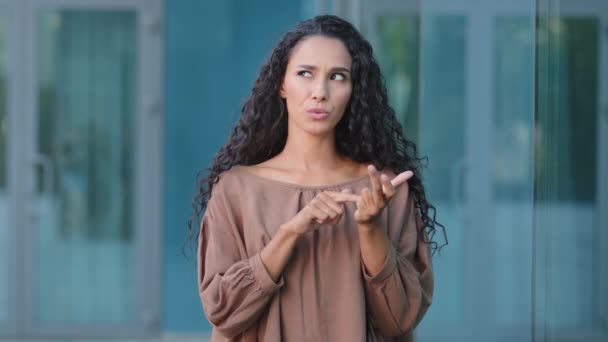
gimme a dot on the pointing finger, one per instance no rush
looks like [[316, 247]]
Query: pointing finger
[[330, 202], [342, 197], [401, 178]]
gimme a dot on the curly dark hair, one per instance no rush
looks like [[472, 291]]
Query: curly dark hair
[[368, 132]]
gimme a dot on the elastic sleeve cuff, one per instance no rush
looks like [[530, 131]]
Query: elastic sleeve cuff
[[263, 277], [387, 269]]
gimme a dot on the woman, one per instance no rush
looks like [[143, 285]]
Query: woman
[[316, 220]]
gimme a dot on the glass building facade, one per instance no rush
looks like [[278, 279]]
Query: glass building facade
[[108, 109]]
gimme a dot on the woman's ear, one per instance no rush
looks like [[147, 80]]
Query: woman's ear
[[282, 92]]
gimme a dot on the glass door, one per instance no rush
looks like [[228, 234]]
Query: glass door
[[92, 188], [459, 76], [85, 172], [424, 61]]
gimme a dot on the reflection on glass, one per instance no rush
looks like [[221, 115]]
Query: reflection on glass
[[85, 250], [569, 295], [512, 168], [4, 257]]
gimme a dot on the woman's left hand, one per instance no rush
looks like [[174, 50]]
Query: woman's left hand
[[372, 202]]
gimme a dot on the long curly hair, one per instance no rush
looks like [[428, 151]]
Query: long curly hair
[[368, 132]]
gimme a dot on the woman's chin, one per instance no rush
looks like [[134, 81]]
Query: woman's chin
[[320, 129]]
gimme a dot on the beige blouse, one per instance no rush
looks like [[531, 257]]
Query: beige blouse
[[324, 293]]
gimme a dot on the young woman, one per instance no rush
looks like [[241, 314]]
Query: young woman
[[316, 225]]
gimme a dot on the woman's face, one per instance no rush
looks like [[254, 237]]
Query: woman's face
[[317, 84]]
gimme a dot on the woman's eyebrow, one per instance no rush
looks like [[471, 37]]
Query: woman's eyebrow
[[312, 67]]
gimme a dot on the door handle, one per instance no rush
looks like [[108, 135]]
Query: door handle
[[48, 181], [457, 192]]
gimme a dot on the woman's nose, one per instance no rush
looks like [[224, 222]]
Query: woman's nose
[[319, 91]]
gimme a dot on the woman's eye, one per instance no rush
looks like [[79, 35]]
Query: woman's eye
[[305, 73], [338, 77]]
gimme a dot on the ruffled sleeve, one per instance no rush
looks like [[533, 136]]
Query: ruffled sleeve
[[234, 288], [399, 295]]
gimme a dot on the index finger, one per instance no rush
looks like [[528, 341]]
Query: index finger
[[402, 178], [374, 177], [342, 197]]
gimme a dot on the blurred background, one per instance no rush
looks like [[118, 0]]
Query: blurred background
[[109, 108]]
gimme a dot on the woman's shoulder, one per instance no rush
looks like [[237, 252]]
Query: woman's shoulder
[[231, 180], [242, 180], [230, 189]]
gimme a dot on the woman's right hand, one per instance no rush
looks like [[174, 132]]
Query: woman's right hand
[[326, 208]]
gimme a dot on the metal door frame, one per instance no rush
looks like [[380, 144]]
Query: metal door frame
[[602, 160], [11, 11]]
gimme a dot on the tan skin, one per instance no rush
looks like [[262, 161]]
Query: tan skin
[[317, 79]]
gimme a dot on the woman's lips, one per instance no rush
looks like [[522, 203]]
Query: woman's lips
[[318, 114]]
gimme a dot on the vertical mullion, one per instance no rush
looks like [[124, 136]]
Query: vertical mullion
[[148, 123], [12, 145], [27, 237], [602, 182]]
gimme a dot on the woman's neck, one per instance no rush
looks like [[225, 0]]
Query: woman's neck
[[311, 153]]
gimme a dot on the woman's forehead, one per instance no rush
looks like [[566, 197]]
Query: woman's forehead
[[320, 51]]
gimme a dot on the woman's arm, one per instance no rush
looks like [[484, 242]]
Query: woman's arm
[[234, 289], [374, 245], [400, 292], [373, 238], [396, 262], [278, 251]]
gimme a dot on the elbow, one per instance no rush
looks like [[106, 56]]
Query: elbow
[[226, 322], [222, 323], [398, 329], [393, 331], [226, 330], [396, 325], [413, 318]]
